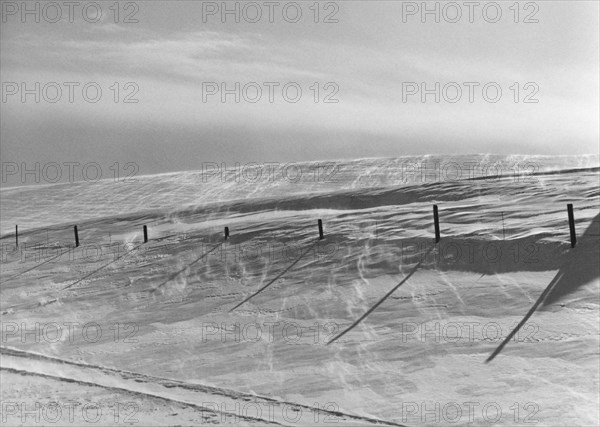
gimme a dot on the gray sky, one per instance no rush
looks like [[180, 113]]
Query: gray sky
[[368, 55]]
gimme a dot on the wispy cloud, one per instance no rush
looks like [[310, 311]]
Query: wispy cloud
[[197, 56]]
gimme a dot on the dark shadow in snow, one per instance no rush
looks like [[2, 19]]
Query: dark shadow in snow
[[580, 267], [174, 275], [276, 277]]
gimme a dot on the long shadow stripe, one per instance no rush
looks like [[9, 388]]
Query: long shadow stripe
[[104, 266], [382, 299], [174, 275], [527, 316], [36, 266], [278, 276]]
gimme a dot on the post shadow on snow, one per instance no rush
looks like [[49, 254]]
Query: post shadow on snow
[[580, 267], [385, 297], [262, 288], [101, 267], [177, 273], [583, 268]]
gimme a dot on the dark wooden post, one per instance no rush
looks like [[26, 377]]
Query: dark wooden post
[[320, 230], [572, 225], [436, 223], [76, 236], [17, 235], [226, 232], [145, 234]]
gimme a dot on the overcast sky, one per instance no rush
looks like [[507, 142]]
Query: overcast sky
[[368, 55]]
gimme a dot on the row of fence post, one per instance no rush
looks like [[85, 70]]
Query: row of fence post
[[436, 224]]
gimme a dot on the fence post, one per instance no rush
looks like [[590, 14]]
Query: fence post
[[145, 234], [436, 223], [17, 236], [226, 232], [76, 236], [572, 225], [320, 230]]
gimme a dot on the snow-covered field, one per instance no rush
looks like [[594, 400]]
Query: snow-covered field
[[149, 325]]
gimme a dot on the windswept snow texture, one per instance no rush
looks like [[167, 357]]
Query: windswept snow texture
[[161, 310]]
